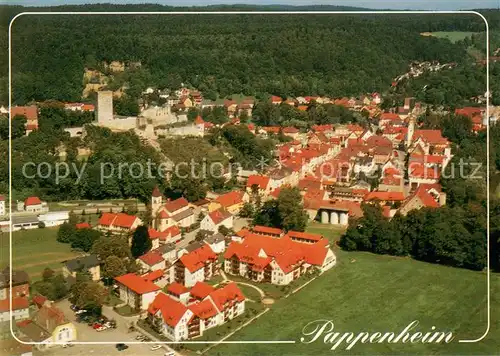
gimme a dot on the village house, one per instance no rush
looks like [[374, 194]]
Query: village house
[[265, 258], [217, 218], [30, 113], [32, 205], [208, 307], [118, 223], [425, 196], [20, 309], [90, 264], [217, 242], [48, 327], [232, 202], [258, 184], [196, 266], [136, 291], [151, 261], [158, 277]]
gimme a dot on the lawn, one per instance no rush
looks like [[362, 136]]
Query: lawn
[[368, 292], [33, 250], [453, 36]]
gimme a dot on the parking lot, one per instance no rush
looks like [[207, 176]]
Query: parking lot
[[119, 335]]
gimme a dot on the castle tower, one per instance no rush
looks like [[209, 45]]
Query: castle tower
[[411, 131], [104, 106]]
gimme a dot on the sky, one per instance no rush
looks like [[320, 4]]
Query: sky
[[372, 4]]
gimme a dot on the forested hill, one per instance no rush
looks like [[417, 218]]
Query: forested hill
[[334, 55]]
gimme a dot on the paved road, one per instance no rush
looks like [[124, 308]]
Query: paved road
[[120, 334]]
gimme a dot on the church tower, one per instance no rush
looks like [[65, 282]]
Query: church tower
[[411, 131], [156, 202]]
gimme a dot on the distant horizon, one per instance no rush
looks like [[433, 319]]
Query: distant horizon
[[444, 5]]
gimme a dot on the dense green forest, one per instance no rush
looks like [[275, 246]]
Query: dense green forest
[[334, 55]]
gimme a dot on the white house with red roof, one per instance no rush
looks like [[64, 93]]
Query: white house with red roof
[[33, 205], [215, 219], [259, 183], [425, 196], [151, 261], [138, 292], [20, 308], [196, 266], [118, 223], [265, 258], [232, 201], [200, 308]]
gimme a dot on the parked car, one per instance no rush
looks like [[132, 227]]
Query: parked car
[[155, 347], [169, 353], [81, 311], [139, 337], [101, 328], [121, 347], [96, 325], [74, 307]]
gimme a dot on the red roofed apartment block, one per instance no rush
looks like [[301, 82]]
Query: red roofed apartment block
[[136, 291], [196, 266], [278, 260], [208, 307]]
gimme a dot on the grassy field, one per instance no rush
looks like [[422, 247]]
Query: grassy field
[[453, 36], [368, 292], [33, 250]]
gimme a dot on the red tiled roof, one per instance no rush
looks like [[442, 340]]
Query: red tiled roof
[[30, 112], [172, 311], [226, 296], [320, 128], [172, 231], [425, 172], [200, 290], [177, 289], [151, 258], [431, 136], [469, 111], [196, 259], [204, 310], [117, 219], [17, 303], [153, 276], [88, 107], [219, 215], [284, 251], [230, 199], [271, 129], [163, 215], [309, 183], [290, 129], [304, 235], [175, 205], [39, 300], [242, 233], [2, 198], [32, 201], [137, 283], [426, 198], [276, 99], [389, 116], [377, 140], [267, 230], [83, 225], [385, 196], [302, 107]]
